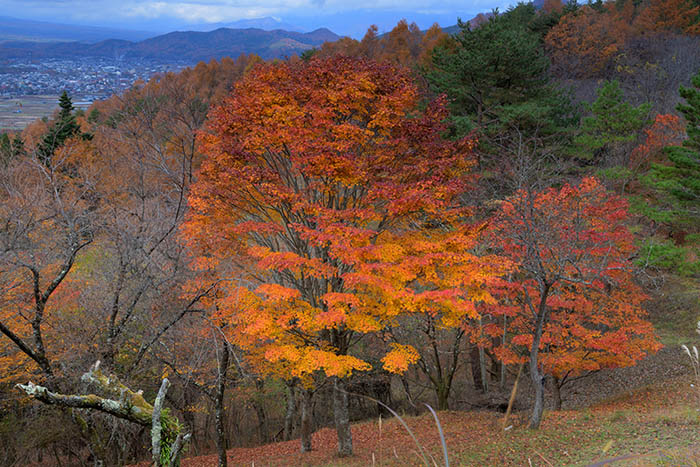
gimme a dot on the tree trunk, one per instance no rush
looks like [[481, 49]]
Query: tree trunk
[[130, 406], [538, 384], [262, 422], [382, 390], [482, 368], [496, 365], [189, 399], [513, 393], [342, 417], [220, 415], [556, 392], [503, 342], [290, 415], [306, 422], [443, 394], [260, 412], [407, 389], [535, 374], [537, 378], [476, 368]]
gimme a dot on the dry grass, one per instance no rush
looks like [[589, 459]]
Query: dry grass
[[655, 425]]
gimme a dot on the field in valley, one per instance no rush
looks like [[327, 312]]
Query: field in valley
[[18, 112]]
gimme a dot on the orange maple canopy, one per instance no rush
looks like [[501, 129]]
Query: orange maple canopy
[[340, 196]]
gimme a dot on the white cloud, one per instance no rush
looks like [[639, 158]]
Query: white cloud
[[194, 12], [210, 11]]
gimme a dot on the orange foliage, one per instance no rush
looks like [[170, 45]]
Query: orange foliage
[[433, 37], [551, 6], [404, 45], [667, 130], [46, 223], [323, 181], [669, 15], [585, 40]]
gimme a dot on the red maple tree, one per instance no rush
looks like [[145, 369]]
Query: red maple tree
[[572, 304]]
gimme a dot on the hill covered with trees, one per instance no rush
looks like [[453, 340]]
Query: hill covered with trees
[[254, 250]]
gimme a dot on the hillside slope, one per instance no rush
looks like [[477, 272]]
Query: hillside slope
[[657, 423]]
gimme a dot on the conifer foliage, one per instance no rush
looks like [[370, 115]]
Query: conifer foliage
[[63, 128], [498, 63], [680, 177]]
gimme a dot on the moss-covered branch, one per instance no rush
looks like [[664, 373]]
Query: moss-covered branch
[[168, 440], [120, 409]]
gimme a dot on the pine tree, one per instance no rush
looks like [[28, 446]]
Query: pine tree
[[18, 149], [680, 178], [5, 148], [64, 127], [10, 148], [496, 73], [613, 124]]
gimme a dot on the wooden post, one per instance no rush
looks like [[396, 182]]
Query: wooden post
[[512, 396]]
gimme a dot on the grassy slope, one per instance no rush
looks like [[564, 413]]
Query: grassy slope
[[658, 424]]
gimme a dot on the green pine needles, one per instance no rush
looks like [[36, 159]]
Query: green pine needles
[[679, 177]]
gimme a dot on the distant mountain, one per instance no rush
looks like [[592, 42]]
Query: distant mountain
[[183, 46], [266, 24], [13, 29], [481, 18]]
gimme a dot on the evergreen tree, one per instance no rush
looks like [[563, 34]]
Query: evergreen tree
[[613, 124], [5, 148], [64, 127], [18, 149], [497, 63], [496, 76], [10, 148], [680, 178]]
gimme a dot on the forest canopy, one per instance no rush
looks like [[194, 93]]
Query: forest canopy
[[253, 250]]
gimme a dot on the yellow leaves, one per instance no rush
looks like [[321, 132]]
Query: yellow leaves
[[399, 358], [332, 364], [366, 323], [340, 307], [277, 292], [305, 361], [289, 261], [288, 353], [391, 252]]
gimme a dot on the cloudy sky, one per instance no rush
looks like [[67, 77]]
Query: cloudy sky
[[342, 16]]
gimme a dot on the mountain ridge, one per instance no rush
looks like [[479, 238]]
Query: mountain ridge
[[180, 45], [16, 29], [266, 23]]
